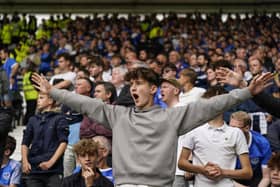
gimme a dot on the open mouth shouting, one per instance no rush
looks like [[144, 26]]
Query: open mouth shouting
[[135, 98]]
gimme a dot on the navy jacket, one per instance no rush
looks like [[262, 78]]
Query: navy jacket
[[269, 103], [44, 133], [76, 180]]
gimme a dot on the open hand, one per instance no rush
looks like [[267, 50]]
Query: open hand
[[41, 83], [227, 76], [260, 82]]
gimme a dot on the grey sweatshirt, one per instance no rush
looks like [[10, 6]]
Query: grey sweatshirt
[[145, 141]]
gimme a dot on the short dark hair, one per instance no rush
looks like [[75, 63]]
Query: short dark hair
[[86, 72], [11, 144], [66, 56], [222, 63], [5, 50], [97, 60], [109, 88], [92, 85], [143, 73], [213, 91]]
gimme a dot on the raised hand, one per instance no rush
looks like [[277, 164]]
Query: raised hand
[[260, 82], [227, 76], [41, 83]]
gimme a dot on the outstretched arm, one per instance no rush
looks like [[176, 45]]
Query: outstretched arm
[[266, 101], [93, 108], [203, 110]]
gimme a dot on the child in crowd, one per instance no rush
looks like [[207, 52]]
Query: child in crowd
[[44, 142], [10, 171]]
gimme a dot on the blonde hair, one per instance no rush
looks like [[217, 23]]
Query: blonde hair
[[242, 116]]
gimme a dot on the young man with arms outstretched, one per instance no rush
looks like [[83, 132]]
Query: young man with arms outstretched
[[145, 137]]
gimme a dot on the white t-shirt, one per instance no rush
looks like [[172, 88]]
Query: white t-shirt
[[191, 96], [70, 76], [217, 145]]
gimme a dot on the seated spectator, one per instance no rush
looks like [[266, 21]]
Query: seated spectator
[[10, 171], [87, 155]]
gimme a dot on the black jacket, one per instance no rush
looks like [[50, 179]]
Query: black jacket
[[268, 103], [273, 136], [76, 180], [45, 132]]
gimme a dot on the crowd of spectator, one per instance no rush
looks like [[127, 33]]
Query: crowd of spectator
[[92, 55]]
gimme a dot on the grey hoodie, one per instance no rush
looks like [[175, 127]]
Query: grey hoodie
[[145, 141]]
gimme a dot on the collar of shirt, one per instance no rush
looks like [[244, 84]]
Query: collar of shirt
[[222, 128]]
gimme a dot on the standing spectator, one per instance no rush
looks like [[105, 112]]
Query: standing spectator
[[122, 88], [116, 61], [273, 136], [170, 90], [47, 132], [215, 147], [162, 58], [211, 76], [30, 93], [87, 155], [155, 65], [11, 68], [201, 74], [277, 78], [130, 60], [4, 87], [259, 150], [134, 124], [241, 53], [83, 60], [106, 92], [240, 66], [175, 58], [46, 58], [169, 71], [65, 79], [187, 80], [10, 171], [96, 68]]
